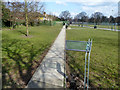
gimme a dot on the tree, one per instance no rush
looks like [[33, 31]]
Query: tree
[[26, 17], [111, 19], [5, 15], [104, 19], [19, 12], [65, 15], [15, 9], [56, 18], [32, 12], [35, 9], [91, 20], [81, 16], [97, 17]]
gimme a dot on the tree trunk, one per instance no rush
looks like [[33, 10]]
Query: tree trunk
[[27, 25], [26, 18]]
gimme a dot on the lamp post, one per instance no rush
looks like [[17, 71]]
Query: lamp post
[[118, 19], [112, 22]]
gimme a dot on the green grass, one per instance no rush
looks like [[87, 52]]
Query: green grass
[[21, 55], [102, 26], [105, 26], [104, 56], [0, 54]]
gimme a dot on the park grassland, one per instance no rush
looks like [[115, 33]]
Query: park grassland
[[105, 26], [102, 26], [21, 55], [104, 56]]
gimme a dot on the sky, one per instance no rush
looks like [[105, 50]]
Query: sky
[[55, 7], [107, 8]]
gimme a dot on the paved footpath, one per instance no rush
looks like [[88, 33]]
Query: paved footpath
[[51, 72]]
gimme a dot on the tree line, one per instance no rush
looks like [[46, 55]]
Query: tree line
[[28, 13], [96, 18]]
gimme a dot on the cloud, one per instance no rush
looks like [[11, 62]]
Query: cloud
[[106, 10], [73, 14], [91, 1], [89, 6], [62, 3], [93, 6], [58, 13]]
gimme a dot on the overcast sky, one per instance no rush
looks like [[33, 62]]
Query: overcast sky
[[107, 7]]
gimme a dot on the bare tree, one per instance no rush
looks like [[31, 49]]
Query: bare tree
[[111, 19], [26, 17], [81, 16], [27, 11], [34, 12], [14, 11], [97, 17], [65, 15], [104, 19]]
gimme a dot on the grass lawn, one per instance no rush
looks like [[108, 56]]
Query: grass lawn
[[105, 26], [104, 56], [102, 26], [21, 55]]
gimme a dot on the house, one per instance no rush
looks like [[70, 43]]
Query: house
[[45, 17]]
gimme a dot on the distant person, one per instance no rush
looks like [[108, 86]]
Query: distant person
[[66, 26], [81, 25], [95, 27], [68, 23], [14, 26], [111, 27], [63, 23]]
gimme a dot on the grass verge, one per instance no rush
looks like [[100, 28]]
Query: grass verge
[[21, 55], [104, 56]]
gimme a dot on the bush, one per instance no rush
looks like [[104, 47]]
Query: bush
[[6, 24], [32, 23]]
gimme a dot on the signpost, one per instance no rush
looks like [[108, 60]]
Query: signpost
[[84, 46]]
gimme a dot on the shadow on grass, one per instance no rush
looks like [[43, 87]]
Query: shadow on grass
[[5, 81], [22, 33], [76, 68], [19, 58]]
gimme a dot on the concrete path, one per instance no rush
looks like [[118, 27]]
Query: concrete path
[[51, 72]]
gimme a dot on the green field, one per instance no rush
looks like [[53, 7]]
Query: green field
[[105, 26], [102, 26], [21, 55], [104, 56]]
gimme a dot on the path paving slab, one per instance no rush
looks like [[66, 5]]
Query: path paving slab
[[51, 72]]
